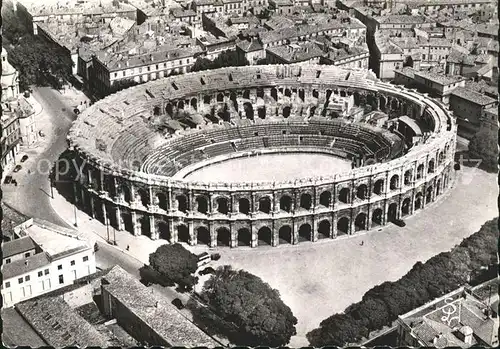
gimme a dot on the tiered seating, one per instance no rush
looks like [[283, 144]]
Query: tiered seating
[[218, 149]]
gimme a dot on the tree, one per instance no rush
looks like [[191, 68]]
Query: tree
[[175, 263], [122, 84], [228, 58], [252, 313], [484, 146]]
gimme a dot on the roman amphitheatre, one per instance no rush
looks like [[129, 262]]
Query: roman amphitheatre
[[262, 155]]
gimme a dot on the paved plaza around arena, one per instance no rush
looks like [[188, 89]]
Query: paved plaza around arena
[[319, 279]]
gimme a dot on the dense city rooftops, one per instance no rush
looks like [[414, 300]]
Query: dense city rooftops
[[250, 45], [336, 54], [154, 310], [403, 19], [439, 78], [25, 265], [473, 96], [87, 7], [58, 324]]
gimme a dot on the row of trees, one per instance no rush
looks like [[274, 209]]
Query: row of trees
[[484, 145], [237, 305], [225, 59], [39, 61], [441, 274]]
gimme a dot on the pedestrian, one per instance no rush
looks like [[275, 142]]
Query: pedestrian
[[128, 248], [362, 243]]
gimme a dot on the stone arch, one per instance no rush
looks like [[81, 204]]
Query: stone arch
[[162, 201], [244, 237], [286, 111], [156, 110], [312, 111], [128, 223], [315, 93], [265, 204], [394, 104], [438, 187], [202, 204], [183, 234], [328, 94], [163, 231], [392, 212], [420, 171], [207, 99], [324, 229], [286, 203], [306, 201], [288, 92], [430, 169], [234, 99], [223, 237], [180, 105], [405, 207], [169, 109], [285, 235], [261, 112], [248, 110], [343, 226], [305, 232], [143, 196], [360, 223], [362, 192], [377, 216], [244, 206], [222, 205], [127, 195], [302, 95], [378, 187], [325, 198], [343, 93], [246, 94], [203, 236], [274, 94], [264, 236], [428, 195], [418, 201], [194, 103], [382, 102], [182, 203], [394, 183], [345, 195], [260, 92], [357, 98], [220, 97], [408, 177]]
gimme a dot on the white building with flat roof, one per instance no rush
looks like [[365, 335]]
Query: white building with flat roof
[[47, 258]]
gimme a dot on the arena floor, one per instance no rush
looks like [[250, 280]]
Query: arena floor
[[319, 279], [271, 167]]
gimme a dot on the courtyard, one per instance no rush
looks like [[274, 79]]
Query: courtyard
[[319, 279]]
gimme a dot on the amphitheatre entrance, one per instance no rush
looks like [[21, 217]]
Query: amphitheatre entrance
[[271, 167]]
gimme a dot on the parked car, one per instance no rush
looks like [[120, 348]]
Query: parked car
[[7, 180], [399, 222], [215, 256], [178, 303], [24, 158], [207, 270], [17, 168]]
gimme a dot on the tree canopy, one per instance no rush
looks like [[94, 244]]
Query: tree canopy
[[249, 311], [39, 61], [484, 146], [441, 274], [175, 263]]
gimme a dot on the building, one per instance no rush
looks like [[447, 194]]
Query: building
[[251, 49], [457, 319], [213, 46], [294, 53], [437, 85], [10, 79], [11, 139], [434, 52], [148, 318], [347, 57], [47, 258], [432, 7], [282, 7], [469, 107]]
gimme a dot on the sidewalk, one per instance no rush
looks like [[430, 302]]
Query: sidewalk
[[93, 230]]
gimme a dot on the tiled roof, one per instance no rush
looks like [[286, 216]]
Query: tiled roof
[[407, 71], [439, 78], [250, 46], [489, 29], [402, 19], [20, 267], [472, 96], [17, 246], [58, 324], [155, 311], [296, 53]]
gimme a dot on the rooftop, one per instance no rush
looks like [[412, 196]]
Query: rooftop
[[58, 324], [473, 96], [17, 246], [439, 78], [85, 7], [402, 19], [155, 311], [294, 53], [23, 266]]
